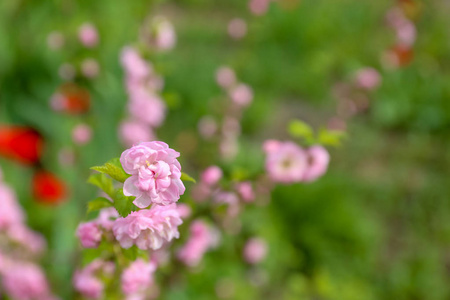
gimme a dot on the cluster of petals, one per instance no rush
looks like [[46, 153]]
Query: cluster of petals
[[87, 281], [137, 278], [24, 281], [286, 162], [148, 228], [90, 233], [202, 238], [155, 174], [88, 35]]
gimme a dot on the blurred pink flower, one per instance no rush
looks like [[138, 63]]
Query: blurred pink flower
[[147, 107], [106, 218], [165, 37], [134, 132], [55, 40], [86, 283], [406, 34], [229, 198], [90, 68], [10, 211], [225, 77], [245, 190], [155, 172], [318, 159], [255, 250], [200, 192], [88, 35], [82, 134], [368, 78], [231, 127], [286, 162], [259, 7], [241, 94], [211, 175], [25, 281], [201, 239], [32, 240], [184, 210], [148, 229], [207, 127], [237, 28], [89, 234], [135, 67], [138, 277]]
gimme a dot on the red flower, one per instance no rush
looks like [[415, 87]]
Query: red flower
[[47, 188], [20, 143]]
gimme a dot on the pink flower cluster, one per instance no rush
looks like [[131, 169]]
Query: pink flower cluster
[[286, 162], [137, 279], [155, 174], [145, 107], [202, 238], [21, 279], [91, 233], [88, 282], [148, 228]]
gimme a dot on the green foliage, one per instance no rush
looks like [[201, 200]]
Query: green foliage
[[186, 177], [299, 129], [98, 203], [104, 183], [114, 169], [123, 204]]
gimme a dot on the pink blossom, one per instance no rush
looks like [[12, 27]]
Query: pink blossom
[[32, 240], [134, 65], [138, 277], [229, 198], [259, 7], [165, 37], [225, 77], [25, 281], [207, 127], [89, 234], [88, 35], [406, 33], [318, 162], [147, 107], [82, 134], [237, 28], [286, 162], [241, 94], [184, 210], [245, 190], [134, 132], [211, 175], [86, 283], [10, 211], [368, 78], [201, 239], [255, 250], [148, 229], [90, 68], [106, 218], [155, 172], [200, 192]]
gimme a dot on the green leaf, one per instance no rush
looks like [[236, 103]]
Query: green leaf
[[131, 253], [103, 182], [114, 169], [331, 137], [186, 177], [98, 203], [300, 129], [123, 204]]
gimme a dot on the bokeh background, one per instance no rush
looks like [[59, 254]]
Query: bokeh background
[[376, 226]]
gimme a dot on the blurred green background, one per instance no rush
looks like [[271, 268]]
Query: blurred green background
[[376, 226]]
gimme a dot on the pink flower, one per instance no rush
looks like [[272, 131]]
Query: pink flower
[[86, 283], [134, 65], [242, 95], [147, 107], [88, 35], [155, 174], [165, 37], [201, 239], [184, 210], [225, 77], [10, 211], [82, 134], [134, 132], [148, 229], [406, 33], [368, 78], [25, 281], [138, 277], [245, 190], [237, 28], [318, 162], [255, 250], [89, 234], [211, 175], [90, 68], [286, 162], [28, 238], [259, 7], [106, 218]]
